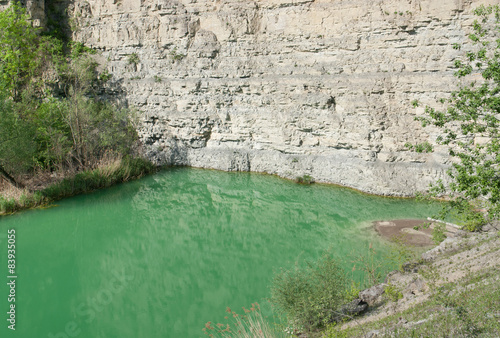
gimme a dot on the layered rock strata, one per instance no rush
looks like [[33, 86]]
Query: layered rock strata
[[288, 87]]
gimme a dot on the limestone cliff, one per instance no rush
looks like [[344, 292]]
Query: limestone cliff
[[288, 87]]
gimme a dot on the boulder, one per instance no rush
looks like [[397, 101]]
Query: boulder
[[351, 309], [372, 295]]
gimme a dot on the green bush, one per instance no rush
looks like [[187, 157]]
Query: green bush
[[472, 220], [7, 205], [306, 179], [393, 293], [438, 233], [311, 295], [26, 200], [52, 115], [370, 265]]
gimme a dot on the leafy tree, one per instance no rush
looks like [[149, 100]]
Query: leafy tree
[[16, 143], [95, 127], [18, 49], [470, 126]]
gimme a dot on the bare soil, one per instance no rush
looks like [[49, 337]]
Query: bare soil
[[416, 232]]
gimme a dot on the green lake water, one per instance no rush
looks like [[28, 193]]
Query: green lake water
[[161, 256]]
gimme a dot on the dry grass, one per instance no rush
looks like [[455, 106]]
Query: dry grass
[[109, 164], [8, 191], [13, 198], [251, 324]]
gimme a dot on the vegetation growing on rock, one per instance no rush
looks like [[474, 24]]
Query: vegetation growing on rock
[[470, 127], [52, 119]]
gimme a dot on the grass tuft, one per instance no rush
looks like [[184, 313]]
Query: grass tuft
[[250, 324]]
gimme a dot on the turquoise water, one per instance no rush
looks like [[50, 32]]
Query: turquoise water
[[161, 256]]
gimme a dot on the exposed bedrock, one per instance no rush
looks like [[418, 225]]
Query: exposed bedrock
[[287, 87]]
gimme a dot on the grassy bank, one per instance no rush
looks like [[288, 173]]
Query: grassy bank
[[106, 175]]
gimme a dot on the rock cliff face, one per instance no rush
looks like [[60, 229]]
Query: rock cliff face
[[288, 87]]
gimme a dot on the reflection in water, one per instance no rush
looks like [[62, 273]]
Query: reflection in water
[[161, 256]]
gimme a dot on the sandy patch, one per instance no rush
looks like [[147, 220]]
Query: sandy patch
[[406, 229]]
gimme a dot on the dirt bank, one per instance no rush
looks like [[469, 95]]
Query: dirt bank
[[415, 232]]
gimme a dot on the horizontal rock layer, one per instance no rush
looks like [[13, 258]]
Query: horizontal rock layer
[[288, 87]]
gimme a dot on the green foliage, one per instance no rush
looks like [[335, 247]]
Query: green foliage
[[467, 308], [393, 293], [133, 59], [25, 201], [424, 147], [310, 295], [18, 49], [438, 233], [51, 117], [50, 113], [105, 76], [401, 252], [176, 56], [470, 124], [83, 182], [78, 49], [306, 179], [353, 292], [95, 129], [474, 221], [79, 74], [370, 264], [77, 129], [334, 330], [17, 147], [7, 205]]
